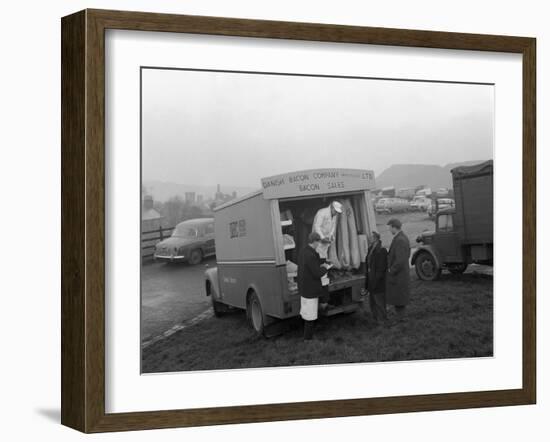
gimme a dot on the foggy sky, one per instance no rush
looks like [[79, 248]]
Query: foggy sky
[[205, 128]]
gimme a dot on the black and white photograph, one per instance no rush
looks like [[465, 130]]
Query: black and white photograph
[[294, 220]]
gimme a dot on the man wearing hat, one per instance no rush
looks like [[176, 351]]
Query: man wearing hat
[[324, 224], [397, 279]]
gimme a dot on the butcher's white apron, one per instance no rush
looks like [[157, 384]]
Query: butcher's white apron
[[309, 308]]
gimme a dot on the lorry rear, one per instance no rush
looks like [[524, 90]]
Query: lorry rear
[[473, 219]]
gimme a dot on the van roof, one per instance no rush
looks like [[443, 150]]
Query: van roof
[[197, 221], [238, 200]]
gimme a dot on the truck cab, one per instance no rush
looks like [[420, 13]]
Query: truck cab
[[464, 233], [439, 249]]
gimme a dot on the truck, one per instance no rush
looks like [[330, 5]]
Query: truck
[[259, 236], [464, 233]]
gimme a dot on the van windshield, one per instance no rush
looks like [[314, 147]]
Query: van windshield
[[183, 231]]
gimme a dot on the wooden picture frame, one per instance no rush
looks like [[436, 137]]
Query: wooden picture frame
[[83, 220]]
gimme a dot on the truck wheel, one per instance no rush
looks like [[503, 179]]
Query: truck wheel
[[195, 257], [457, 269], [426, 267], [255, 313]]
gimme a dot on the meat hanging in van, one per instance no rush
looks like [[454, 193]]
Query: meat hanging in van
[[355, 258], [342, 234]]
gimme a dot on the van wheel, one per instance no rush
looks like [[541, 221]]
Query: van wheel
[[255, 313], [426, 267], [457, 269], [218, 307], [195, 257]]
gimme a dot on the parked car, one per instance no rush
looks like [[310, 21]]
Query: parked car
[[420, 202], [440, 204], [391, 205], [191, 241]]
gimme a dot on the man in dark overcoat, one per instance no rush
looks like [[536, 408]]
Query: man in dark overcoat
[[397, 278], [375, 281]]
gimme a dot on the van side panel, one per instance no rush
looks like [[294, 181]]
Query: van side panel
[[237, 279], [244, 231], [246, 254]]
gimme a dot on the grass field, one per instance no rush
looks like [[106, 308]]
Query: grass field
[[449, 318]]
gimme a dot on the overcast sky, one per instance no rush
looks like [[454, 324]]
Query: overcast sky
[[204, 128]]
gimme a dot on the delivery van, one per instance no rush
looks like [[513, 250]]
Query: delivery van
[[259, 237]]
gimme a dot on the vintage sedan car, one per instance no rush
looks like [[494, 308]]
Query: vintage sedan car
[[191, 241]]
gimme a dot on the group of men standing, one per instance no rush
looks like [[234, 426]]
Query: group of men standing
[[386, 276], [387, 273]]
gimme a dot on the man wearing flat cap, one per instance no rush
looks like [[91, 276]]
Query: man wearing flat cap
[[397, 279]]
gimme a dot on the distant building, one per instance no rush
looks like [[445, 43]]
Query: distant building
[[151, 220], [220, 197], [200, 199], [388, 192], [190, 197], [426, 191], [406, 192]]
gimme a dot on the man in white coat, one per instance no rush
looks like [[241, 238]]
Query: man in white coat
[[324, 224]]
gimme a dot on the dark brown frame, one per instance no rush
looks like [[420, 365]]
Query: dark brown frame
[[83, 216]]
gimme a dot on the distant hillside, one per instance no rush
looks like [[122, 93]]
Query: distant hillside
[[411, 175], [162, 191]]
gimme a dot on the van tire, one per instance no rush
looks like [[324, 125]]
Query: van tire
[[195, 257], [219, 308], [255, 313]]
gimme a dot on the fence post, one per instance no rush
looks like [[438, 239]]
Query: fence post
[[160, 230]]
